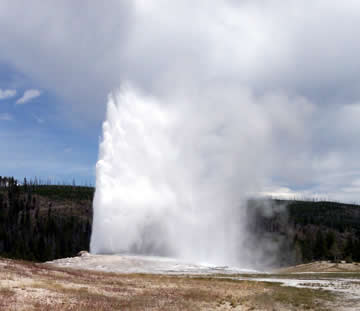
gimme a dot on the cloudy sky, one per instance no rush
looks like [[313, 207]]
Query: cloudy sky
[[298, 61]]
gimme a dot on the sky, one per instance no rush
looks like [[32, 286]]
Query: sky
[[297, 61], [36, 139]]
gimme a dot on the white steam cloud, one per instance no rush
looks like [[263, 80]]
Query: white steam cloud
[[174, 171]]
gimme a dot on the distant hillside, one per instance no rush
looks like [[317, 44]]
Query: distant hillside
[[45, 222], [306, 230]]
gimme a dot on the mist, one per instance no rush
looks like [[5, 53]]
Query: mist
[[204, 117], [175, 172]]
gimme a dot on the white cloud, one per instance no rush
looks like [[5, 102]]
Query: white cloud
[[28, 96], [4, 94], [5, 117]]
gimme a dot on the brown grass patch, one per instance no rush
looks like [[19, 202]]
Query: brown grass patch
[[67, 289]]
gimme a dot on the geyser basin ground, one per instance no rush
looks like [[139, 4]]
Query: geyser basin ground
[[345, 278], [315, 286], [34, 286], [143, 264]]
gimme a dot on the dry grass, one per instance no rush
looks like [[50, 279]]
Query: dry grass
[[6, 293], [29, 286], [322, 266], [303, 298]]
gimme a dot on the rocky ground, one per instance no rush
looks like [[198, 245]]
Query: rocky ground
[[55, 286]]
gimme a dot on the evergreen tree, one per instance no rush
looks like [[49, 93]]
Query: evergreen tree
[[319, 246]]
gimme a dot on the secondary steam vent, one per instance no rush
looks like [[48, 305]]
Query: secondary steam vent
[[172, 174]]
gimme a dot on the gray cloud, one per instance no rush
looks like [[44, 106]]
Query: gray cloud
[[85, 50], [298, 59], [69, 48]]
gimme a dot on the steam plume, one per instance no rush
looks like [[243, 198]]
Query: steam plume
[[174, 171]]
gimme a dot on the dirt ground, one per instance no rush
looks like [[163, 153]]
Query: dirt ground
[[30, 286]]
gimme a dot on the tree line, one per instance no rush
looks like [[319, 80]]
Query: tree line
[[308, 231], [42, 227], [40, 221]]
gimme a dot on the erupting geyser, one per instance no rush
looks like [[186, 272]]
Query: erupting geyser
[[173, 173]]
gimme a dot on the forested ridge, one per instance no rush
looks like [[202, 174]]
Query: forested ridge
[[307, 231], [40, 222]]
